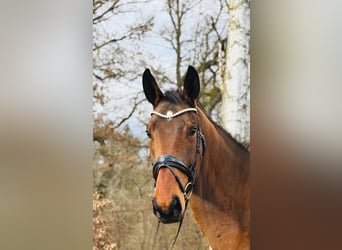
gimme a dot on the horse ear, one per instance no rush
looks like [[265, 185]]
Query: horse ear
[[191, 87], [152, 91]]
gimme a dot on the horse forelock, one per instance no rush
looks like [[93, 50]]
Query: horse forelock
[[173, 97]]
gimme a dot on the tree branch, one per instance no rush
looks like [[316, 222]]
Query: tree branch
[[130, 114], [111, 8], [114, 40]]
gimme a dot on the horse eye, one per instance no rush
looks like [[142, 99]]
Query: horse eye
[[148, 133], [192, 131]]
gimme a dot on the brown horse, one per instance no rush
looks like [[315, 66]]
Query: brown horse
[[193, 156]]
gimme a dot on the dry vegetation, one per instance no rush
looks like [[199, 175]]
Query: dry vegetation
[[103, 224]]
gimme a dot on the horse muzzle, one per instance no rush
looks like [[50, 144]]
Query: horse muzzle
[[170, 209], [168, 214]]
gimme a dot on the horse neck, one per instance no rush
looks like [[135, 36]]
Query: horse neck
[[223, 181]]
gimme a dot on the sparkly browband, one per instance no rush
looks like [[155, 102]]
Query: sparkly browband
[[169, 114]]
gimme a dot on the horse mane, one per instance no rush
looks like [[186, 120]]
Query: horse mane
[[226, 134], [174, 97]]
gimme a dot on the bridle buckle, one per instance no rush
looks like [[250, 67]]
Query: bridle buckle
[[189, 187]]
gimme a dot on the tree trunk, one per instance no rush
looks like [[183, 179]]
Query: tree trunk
[[235, 84]]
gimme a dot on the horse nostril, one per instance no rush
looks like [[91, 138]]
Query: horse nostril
[[171, 213], [156, 208], [177, 207]]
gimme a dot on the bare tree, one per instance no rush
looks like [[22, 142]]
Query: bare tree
[[177, 10], [193, 36], [208, 36], [112, 57], [235, 83]]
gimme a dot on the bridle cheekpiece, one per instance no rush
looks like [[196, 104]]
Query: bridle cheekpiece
[[170, 161]]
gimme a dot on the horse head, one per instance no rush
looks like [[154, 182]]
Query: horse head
[[175, 144]]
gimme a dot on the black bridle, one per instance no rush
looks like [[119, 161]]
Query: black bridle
[[170, 162]]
